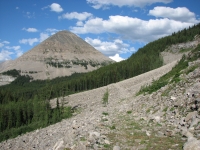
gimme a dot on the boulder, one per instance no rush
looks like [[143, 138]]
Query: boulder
[[190, 116], [116, 148], [173, 98], [192, 144], [59, 145], [178, 103]]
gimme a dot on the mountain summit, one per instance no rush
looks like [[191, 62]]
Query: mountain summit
[[64, 53]]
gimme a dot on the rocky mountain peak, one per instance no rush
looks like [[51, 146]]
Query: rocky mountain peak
[[64, 53]]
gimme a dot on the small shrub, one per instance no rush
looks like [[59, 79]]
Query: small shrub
[[159, 125], [105, 113], [165, 109], [148, 110], [112, 127], [185, 50], [106, 146], [105, 119], [82, 139], [172, 109], [129, 112], [105, 98]]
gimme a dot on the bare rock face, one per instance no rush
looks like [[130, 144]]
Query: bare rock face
[[62, 54], [4, 79]]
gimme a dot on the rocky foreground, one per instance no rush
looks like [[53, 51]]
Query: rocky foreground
[[166, 119]]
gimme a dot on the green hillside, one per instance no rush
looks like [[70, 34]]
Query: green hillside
[[25, 105]]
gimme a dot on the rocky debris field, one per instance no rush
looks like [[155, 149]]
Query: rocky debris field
[[166, 119]]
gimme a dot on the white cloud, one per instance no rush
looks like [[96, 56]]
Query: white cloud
[[110, 48], [75, 15], [30, 15], [45, 7], [94, 25], [5, 55], [51, 31], [3, 43], [79, 23], [43, 36], [137, 3], [29, 41], [56, 7], [13, 47], [130, 28], [30, 29], [116, 58], [17, 8], [179, 14], [6, 42], [19, 53]]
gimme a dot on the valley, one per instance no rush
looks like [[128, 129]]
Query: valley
[[150, 101]]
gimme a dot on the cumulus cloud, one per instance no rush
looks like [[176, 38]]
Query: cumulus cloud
[[179, 14], [116, 58], [29, 41], [8, 51], [134, 29], [13, 47], [19, 53], [75, 15], [43, 36], [5, 55], [110, 48], [79, 23], [51, 31], [3, 43], [94, 25], [6, 42], [30, 29], [137, 3], [56, 7]]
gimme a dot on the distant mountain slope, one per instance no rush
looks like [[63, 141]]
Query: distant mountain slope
[[61, 54], [5, 64]]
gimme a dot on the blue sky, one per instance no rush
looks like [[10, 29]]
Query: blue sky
[[117, 28]]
